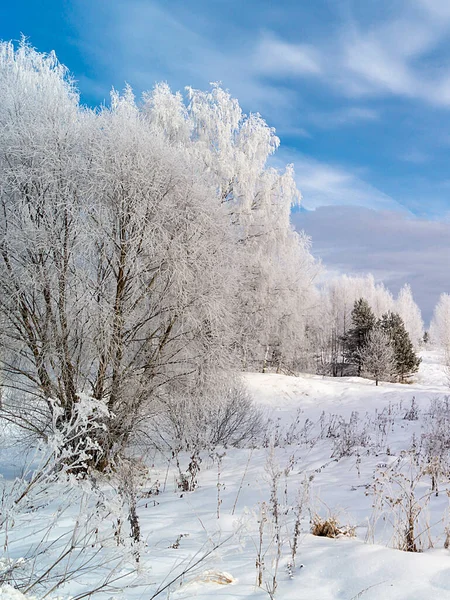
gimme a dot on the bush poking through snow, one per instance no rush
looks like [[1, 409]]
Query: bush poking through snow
[[399, 497], [329, 527], [349, 437], [87, 545], [224, 416], [412, 414]]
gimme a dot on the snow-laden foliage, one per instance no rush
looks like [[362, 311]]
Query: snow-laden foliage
[[332, 320], [83, 517], [440, 326], [146, 249], [377, 355], [410, 314], [277, 269]]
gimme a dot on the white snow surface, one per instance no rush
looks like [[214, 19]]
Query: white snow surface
[[8, 592], [179, 527]]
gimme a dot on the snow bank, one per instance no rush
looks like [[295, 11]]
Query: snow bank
[[9, 593]]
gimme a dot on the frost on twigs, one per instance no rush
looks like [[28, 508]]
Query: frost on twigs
[[75, 439], [401, 498], [98, 543], [222, 414]]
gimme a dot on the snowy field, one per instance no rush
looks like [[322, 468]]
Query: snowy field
[[339, 448]]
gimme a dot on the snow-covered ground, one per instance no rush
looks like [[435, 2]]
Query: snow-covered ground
[[329, 442]]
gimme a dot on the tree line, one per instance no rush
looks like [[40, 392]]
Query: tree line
[[147, 257], [380, 347]]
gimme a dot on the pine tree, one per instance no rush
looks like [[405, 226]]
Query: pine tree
[[363, 321], [406, 362]]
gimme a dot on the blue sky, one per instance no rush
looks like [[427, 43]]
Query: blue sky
[[359, 91]]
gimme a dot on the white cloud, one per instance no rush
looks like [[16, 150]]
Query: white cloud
[[278, 58], [142, 42], [292, 131], [400, 55], [322, 184], [393, 57], [395, 247], [437, 8], [342, 116], [370, 66]]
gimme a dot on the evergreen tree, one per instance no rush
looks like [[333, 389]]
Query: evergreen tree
[[406, 362], [363, 321]]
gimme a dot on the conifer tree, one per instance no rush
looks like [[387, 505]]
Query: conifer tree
[[406, 362], [363, 321]]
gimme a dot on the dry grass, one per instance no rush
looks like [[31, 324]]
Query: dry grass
[[330, 528], [219, 577]]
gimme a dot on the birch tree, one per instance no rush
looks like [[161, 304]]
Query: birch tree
[[377, 355], [117, 264], [278, 270], [440, 326], [43, 168], [411, 315]]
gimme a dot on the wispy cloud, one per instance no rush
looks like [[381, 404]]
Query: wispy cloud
[[391, 57], [339, 90], [324, 184], [278, 58], [349, 115], [395, 56], [141, 42]]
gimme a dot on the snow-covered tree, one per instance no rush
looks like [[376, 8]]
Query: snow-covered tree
[[117, 266], [377, 355], [411, 315], [406, 362], [379, 297], [165, 254], [43, 170], [333, 321], [440, 326], [274, 294], [334, 308]]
